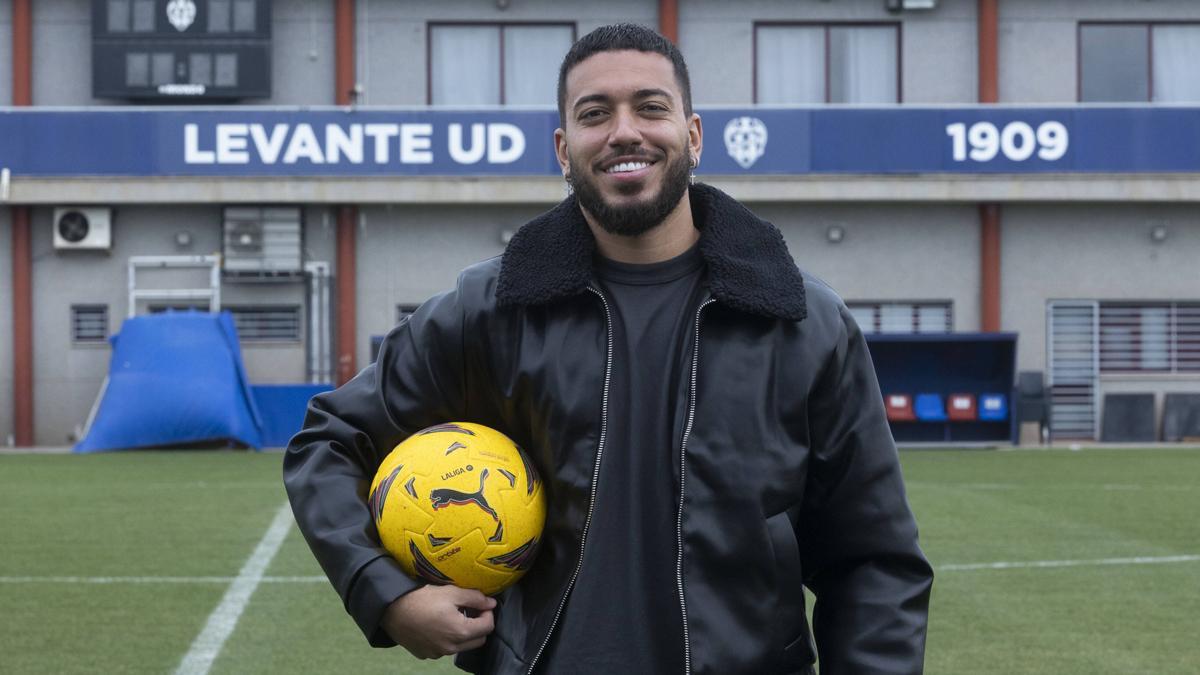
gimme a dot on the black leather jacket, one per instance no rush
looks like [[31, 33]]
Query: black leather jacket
[[790, 476]]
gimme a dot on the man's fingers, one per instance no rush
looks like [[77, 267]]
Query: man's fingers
[[483, 624], [472, 599], [474, 628]]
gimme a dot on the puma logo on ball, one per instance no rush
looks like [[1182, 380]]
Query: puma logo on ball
[[443, 497]]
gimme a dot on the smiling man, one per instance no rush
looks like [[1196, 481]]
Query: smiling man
[[706, 416]]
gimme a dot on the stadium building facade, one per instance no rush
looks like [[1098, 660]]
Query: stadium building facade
[[946, 165]]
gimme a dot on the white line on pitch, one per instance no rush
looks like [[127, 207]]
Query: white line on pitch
[[1058, 487], [1068, 563], [224, 618], [154, 580]]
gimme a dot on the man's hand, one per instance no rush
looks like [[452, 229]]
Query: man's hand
[[430, 621]]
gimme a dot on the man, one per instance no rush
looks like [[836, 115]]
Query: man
[[706, 417]]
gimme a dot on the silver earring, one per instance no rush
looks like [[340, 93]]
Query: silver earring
[[692, 164]]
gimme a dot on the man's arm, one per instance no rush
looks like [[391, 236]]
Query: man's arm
[[417, 381], [857, 534]]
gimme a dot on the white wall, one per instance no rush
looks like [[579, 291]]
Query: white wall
[[62, 53], [890, 252], [408, 253], [1091, 252], [302, 53]]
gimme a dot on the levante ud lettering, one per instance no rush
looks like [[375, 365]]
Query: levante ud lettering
[[379, 143]]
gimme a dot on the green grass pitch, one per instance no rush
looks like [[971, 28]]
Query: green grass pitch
[[113, 564]]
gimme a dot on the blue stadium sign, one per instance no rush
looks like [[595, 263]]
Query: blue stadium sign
[[747, 141]]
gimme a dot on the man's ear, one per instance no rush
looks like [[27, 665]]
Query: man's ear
[[695, 137], [560, 152]]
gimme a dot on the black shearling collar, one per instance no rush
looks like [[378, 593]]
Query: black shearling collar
[[749, 267]]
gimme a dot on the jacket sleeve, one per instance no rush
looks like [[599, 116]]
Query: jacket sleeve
[[417, 381], [857, 533]]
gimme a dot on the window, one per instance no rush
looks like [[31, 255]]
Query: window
[[268, 323], [236, 15], [200, 69], [219, 16], [903, 317], [254, 323], [89, 323], [1139, 62], [126, 16], [1149, 337], [496, 64], [118, 16], [244, 13], [227, 70], [826, 63], [162, 68], [137, 69]]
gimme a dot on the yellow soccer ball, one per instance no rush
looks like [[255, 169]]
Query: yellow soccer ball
[[460, 504]]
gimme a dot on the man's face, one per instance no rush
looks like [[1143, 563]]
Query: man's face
[[627, 146]]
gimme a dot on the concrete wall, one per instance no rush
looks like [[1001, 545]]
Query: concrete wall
[[62, 53], [1038, 41], [889, 253], [392, 36], [68, 375], [6, 317], [716, 38], [302, 53], [1061, 252], [407, 254], [6, 53]]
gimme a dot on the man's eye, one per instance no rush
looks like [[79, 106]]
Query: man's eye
[[654, 107], [591, 114]]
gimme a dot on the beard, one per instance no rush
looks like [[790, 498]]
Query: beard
[[631, 220]]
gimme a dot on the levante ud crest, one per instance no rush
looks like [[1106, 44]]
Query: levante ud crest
[[181, 14]]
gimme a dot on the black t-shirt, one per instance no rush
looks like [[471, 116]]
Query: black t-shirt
[[623, 615]]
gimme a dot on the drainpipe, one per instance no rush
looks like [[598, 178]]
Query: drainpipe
[[668, 19], [347, 215], [22, 250], [989, 214]]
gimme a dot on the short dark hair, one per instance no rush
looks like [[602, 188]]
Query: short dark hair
[[617, 37]]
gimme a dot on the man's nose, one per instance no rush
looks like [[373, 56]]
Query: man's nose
[[625, 129]]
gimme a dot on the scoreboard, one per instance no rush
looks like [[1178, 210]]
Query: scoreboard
[[181, 50]]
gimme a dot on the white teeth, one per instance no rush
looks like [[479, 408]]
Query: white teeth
[[624, 167]]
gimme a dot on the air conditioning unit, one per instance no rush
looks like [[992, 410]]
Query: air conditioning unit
[[244, 241], [82, 228]]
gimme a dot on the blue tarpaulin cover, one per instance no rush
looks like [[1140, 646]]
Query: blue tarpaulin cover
[[282, 407], [176, 378]]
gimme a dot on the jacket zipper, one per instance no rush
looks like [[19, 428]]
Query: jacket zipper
[[687, 432], [595, 479]]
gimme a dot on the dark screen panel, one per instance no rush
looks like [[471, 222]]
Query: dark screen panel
[[148, 71], [186, 18], [181, 50]]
